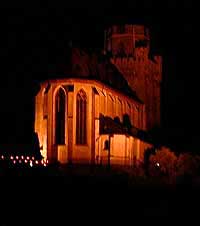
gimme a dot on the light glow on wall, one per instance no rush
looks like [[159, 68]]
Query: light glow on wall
[[43, 138]]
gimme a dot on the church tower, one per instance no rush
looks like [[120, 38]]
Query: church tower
[[129, 48]]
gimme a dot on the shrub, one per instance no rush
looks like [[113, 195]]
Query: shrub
[[187, 164], [163, 164]]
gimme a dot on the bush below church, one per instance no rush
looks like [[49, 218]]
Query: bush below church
[[172, 169]]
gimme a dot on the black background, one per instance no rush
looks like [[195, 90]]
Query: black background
[[34, 37]]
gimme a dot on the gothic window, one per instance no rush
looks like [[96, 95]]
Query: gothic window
[[120, 108], [60, 117], [110, 106], [103, 103], [45, 106], [45, 98], [128, 108], [81, 117]]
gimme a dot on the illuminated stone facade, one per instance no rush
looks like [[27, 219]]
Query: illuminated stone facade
[[129, 47], [94, 103]]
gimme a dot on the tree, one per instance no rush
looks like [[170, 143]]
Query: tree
[[163, 164], [187, 164]]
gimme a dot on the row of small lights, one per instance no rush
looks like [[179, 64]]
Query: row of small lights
[[25, 159]]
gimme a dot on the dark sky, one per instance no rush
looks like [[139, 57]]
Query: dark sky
[[33, 37]]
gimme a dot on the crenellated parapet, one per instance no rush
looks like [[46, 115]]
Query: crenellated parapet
[[122, 40]]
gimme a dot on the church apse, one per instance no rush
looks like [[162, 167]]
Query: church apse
[[68, 121]]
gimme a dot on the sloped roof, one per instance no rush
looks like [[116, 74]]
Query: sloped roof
[[93, 65]]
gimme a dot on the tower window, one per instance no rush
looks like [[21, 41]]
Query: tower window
[[60, 116], [121, 29], [81, 117]]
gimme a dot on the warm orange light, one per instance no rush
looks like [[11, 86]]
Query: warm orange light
[[36, 162], [26, 161]]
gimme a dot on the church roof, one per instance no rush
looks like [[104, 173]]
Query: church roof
[[81, 63]]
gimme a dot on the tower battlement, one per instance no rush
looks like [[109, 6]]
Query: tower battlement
[[122, 40]]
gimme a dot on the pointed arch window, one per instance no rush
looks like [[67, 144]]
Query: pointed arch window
[[60, 117], [120, 109], [110, 106], [81, 117]]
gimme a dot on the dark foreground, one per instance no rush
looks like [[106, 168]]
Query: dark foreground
[[84, 195]]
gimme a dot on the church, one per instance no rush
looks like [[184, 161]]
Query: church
[[99, 101]]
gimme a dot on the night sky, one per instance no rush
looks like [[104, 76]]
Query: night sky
[[35, 37]]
